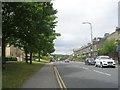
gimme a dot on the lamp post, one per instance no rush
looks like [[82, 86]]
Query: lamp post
[[91, 36]]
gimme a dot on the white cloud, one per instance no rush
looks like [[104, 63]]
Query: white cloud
[[101, 13]]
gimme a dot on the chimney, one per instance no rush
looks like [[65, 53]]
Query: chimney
[[99, 38], [106, 34]]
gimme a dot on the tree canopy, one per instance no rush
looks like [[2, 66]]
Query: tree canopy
[[29, 25]]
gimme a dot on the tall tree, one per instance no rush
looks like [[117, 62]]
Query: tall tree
[[26, 24]]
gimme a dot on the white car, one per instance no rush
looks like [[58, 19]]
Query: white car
[[103, 61]]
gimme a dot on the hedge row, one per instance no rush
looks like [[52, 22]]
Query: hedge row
[[11, 58]]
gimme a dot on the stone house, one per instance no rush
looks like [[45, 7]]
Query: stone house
[[86, 50], [14, 51]]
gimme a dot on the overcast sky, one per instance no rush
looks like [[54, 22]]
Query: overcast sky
[[103, 14]]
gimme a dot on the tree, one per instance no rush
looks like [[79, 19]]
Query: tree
[[108, 47], [29, 26], [8, 28]]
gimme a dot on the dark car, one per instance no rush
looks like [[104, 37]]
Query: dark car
[[89, 61], [51, 60], [67, 61]]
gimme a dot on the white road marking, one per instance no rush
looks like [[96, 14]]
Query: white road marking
[[51, 63], [81, 62], [85, 68], [102, 73]]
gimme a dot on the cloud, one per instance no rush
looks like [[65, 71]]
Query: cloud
[[101, 13]]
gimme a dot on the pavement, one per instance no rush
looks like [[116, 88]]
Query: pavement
[[44, 78]]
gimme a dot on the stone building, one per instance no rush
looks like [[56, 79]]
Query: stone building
[[87, 51], [14, 51]]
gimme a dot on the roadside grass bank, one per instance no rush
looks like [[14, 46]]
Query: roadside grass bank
[[16, 73]]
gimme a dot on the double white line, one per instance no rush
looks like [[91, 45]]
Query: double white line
[[59, 79]]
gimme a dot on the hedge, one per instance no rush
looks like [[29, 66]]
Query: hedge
[[11, 58]]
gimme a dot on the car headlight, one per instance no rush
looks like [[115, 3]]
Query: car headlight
[[114, 62]]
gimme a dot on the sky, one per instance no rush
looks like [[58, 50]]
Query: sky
[[102, 14]]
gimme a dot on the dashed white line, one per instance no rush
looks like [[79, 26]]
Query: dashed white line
[[102, 73], [85, 68]]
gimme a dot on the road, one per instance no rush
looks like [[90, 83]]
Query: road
[[78, 75]]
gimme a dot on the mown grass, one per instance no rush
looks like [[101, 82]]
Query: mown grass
[[15, 73]]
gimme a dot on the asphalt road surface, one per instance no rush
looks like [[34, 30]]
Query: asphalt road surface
[[79, 75]]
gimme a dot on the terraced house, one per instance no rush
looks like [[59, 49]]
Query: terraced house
[[97, 44]]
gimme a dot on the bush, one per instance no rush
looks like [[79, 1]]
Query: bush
[[108, 46], [11, 58]]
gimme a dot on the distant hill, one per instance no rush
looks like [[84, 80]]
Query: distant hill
[[60, 56]]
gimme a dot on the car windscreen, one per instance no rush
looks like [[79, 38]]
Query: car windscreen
[[91, 59], [105, 57]]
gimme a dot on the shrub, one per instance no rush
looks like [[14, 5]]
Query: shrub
[[11, 58], [108, 47]]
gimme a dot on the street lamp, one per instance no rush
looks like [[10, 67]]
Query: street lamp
[[91, 35]]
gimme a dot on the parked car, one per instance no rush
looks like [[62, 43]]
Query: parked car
[[51, 60], [104, 61], [89, 61], [67, 61]]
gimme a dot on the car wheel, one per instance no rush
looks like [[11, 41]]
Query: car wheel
[[101, 66], [114, 66], [95, 65]]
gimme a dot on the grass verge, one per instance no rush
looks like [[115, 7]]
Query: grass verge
[[16, 73]]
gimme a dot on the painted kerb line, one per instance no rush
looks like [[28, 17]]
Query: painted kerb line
[[59, 79]]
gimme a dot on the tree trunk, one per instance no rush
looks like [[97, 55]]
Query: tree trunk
[[3, 53], [30, 57], [39, 55], [118, 58], [26, 56]]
